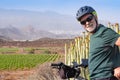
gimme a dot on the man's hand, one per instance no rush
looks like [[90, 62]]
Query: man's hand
[[117, 72]]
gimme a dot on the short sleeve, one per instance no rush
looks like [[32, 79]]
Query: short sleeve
[[110, 36]]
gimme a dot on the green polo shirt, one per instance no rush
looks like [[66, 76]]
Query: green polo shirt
[[104, 55]]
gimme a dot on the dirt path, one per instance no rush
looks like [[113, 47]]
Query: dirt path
[[15, 75]]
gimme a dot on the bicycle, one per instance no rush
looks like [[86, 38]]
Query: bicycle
[[72, 71]]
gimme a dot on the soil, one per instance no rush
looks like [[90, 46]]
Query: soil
[[15, 75], [46, 42]]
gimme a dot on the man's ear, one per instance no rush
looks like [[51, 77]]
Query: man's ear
[[96, 18]]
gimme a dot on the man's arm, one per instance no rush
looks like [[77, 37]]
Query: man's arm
[[118, 42], [117, 70]]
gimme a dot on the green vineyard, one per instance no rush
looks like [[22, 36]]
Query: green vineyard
[[26, 61]]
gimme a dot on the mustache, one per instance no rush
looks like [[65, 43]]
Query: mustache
[[90, 25]]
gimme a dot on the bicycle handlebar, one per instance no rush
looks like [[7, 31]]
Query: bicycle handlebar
[[57, 65], [66, 71], [84, 64]]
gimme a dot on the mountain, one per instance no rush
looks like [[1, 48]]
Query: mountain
[[32, 25], [3, 38], [41, 20], [11, 32], [28, 33]]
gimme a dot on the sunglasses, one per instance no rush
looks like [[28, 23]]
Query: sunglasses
[[87, 20]]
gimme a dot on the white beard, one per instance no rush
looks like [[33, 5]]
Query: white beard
[[91, 28]]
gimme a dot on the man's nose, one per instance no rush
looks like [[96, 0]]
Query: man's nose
[[87, 22]]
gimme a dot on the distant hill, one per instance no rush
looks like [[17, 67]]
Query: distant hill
[[12, 33], [2, 38], [32, 25], [43, 42], [41, 20]]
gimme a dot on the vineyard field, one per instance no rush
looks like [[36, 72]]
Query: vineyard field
[[25, 61]]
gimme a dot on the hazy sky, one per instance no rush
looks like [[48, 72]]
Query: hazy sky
[[106, 9]]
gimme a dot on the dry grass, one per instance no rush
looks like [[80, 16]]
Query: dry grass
[[45, 72]]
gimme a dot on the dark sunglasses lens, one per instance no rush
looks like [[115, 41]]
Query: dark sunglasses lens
[[87, 20], [83, 22]]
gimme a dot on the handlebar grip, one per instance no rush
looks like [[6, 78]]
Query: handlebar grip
[[53, 64], [57, 65]]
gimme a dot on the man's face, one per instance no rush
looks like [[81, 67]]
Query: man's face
[[88, 22]]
